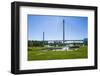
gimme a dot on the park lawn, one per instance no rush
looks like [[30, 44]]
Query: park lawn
[[37, 54]]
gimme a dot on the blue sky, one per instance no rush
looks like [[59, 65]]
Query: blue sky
[[76, 27]]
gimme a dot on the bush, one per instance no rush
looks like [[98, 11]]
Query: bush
[[74, 47]]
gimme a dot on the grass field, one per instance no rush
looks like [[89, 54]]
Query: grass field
[[36, 53]]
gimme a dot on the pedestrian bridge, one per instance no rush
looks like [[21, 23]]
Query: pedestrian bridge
[[65, 41]]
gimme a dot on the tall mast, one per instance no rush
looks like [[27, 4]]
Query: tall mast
[[43, 37], [63, 31]]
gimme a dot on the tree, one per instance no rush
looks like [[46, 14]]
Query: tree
[[35, 43], [85, 41]]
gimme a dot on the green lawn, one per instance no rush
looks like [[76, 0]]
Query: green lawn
[[36, 53]]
